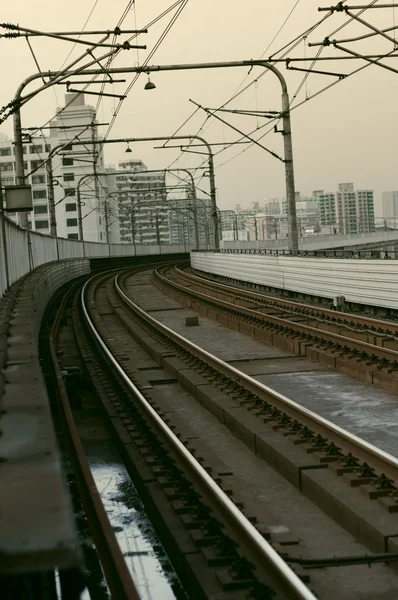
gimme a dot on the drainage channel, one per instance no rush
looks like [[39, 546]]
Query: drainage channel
[[144, 554], [145, 558]]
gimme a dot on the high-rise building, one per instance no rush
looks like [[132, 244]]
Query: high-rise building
[[272, 206], [78, 169], [143, 215], [75, 121], [347, 210], [35, 151]]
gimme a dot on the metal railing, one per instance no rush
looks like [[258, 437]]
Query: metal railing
[[22, 250]]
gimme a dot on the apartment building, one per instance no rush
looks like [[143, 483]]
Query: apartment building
[[347, 210], [73, 168], [77, 169], [35, 150], [141, 196]]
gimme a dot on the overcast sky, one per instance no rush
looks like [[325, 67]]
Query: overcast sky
[[347, 133]]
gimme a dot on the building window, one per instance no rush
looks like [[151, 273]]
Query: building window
[[35, 164], [101, 236], [5, 151], [99, 221], [66, 162], [70, 207], [69, 177], [38, 179], [73, 236], [40, 210], [7, 181], [7, 166], [48, 147], [38, 194], [71, 222], [35, 149], [41, 224], [70, 192]]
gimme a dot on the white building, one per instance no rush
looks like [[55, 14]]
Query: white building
[[35, 150], [76, 121], [347, 210], [75, 169], [141, 195]]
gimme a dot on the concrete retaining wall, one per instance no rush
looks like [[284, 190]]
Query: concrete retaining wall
[[36, 526]]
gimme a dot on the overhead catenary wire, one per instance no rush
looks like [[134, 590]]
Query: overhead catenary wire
[[288, 48], [271, 129], [182, 4], [165, 12]]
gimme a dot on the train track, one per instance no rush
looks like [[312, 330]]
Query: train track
[[214, 500], [270, 403], [361, 346], [119, 580], [219, 517]]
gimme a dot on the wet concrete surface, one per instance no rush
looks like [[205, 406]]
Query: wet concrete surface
[[362, 409]]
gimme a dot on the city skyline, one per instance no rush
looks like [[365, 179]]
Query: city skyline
[[337, 136]]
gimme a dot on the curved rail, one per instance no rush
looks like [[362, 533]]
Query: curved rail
[[362, 450], [282, 302], [118, 577], [280, 573], [307, 330]]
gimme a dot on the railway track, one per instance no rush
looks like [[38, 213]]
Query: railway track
[[361, 346], [222, 524], [118, 577], [291, 438]]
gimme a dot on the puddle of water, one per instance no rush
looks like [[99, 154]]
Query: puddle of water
[[145, 557]]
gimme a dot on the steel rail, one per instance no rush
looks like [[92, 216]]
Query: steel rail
[[362, 450], [336, 338], [263, 553], [117, 574], [288, 303]]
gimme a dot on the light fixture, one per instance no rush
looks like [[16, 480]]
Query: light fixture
[[128, 149], [149, 85]]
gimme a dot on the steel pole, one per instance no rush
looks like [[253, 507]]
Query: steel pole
[[157, 229], [19, 166], [80, 219], [133, 228], [289, 174], [4, 235], [51, 201]]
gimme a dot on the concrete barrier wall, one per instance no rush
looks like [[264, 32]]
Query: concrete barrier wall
[[37, 531], [368, 282]]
